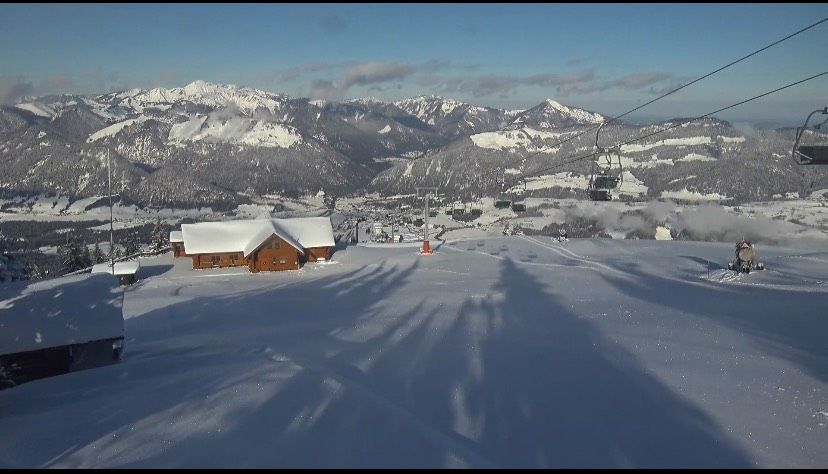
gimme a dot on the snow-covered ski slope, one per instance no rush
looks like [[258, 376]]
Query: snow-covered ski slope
[[506, 351]]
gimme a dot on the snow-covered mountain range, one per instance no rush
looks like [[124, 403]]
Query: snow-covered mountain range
[[212, 144]]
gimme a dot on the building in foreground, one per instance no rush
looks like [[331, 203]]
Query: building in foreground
[[52, 327], [260, 244]]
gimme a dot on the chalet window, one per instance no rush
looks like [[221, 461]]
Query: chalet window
[[275, 245], [215, 259], [233, 259], [282, 261]]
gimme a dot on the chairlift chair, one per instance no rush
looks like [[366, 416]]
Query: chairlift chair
[[520, 206], [600, 186], [810, 154], [502, 202]]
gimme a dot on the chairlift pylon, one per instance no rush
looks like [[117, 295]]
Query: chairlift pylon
[[520, 206], [601, 185], [810, 154]]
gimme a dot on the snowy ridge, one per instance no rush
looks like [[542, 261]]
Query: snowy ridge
[[579, 115], [696, 157], [115, 128], [247, 100], [524, 137], [238, 130], [37, 108], [687, 195], [432, 109], [689, 141]]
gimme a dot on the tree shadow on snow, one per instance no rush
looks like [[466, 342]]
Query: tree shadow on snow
[[148, 271], [526, 383], [362, 370]]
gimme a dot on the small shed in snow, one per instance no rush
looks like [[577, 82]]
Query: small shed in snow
[[177, 244], [123, 271], [260, 244], [56, 326]]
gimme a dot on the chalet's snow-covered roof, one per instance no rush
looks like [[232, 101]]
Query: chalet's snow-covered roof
[[176, 236], [310, 231], [60, 311], [121, 268], [246, 235]]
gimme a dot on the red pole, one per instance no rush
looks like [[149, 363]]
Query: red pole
[[426, 248]]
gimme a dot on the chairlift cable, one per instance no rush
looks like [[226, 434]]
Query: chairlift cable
[[722, 68], [633, 140]]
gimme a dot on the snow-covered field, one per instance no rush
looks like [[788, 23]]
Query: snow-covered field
[[503, 351]]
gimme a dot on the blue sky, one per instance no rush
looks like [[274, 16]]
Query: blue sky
[[606, 58]]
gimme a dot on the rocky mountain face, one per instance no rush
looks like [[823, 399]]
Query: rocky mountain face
[[215, 145], [698, 160]]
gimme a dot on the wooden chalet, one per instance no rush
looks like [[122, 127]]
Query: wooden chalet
[[260, 244]]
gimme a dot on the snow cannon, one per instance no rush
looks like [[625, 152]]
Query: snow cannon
[[745, 259]]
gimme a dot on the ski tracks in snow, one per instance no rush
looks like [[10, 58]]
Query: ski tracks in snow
[[433, 434], [583, 262], [568, 254]]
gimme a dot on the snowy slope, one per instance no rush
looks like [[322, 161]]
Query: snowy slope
[[510, 351]]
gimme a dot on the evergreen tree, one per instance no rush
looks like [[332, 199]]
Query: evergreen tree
[[5, 260], [97, 254], [158, 237], [72, 256], [86, 256], [115, 253], [131, 243]]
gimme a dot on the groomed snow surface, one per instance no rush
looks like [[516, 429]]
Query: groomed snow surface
[[503, 351]]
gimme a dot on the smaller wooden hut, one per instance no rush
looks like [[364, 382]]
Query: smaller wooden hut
[[177, 244], [123, 271]]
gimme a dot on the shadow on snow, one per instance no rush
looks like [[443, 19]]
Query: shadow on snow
[[360, 370]]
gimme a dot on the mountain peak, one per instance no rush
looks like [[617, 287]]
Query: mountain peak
[[553, 114], [365, 100]]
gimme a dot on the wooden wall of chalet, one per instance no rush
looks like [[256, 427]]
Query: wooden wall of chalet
[[315, 253], [178, 249], [219, 260], [274, 255]]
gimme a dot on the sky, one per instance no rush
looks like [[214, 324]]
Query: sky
[[603, 57]]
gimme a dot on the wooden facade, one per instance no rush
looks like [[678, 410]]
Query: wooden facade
[[274, 254], [219, 260], [313, 254], [178, 249]]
